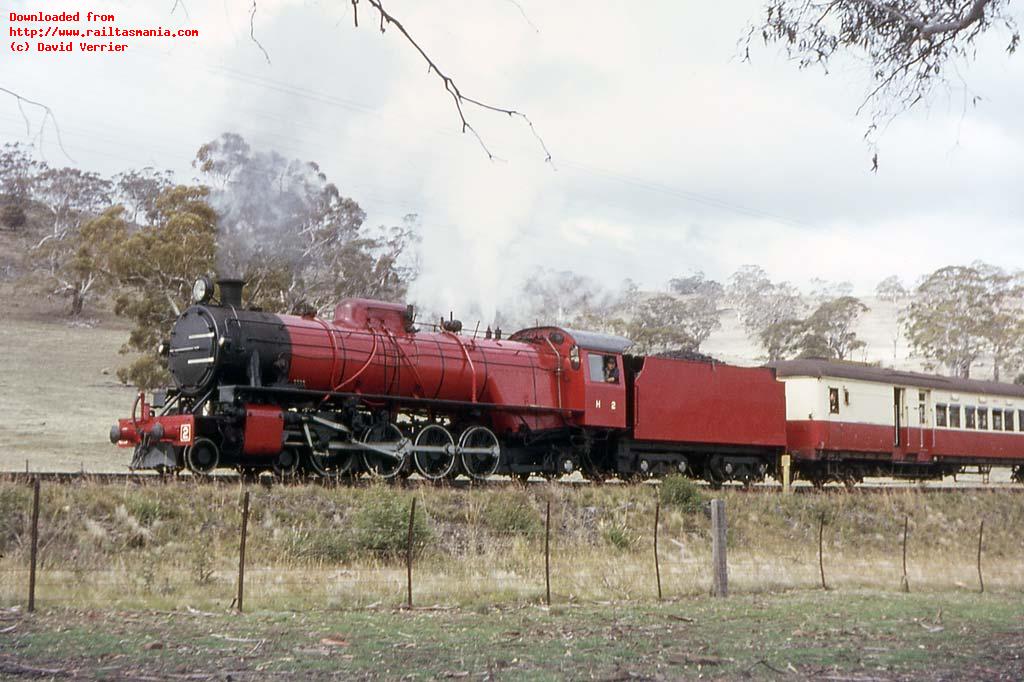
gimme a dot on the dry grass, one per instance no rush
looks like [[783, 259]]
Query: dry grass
[[171, 546], [58, 391]]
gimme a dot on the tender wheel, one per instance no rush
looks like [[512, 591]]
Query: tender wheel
[[202, 457], [286, 463], [480, 452], [391, 448], [330, 464], [434, 452]]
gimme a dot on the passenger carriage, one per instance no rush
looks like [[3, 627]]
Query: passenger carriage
[[848, 420]]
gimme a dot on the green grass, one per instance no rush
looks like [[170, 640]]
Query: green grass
[[810, 634]]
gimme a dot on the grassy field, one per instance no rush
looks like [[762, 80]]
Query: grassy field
[[58, 391], [838, 636]]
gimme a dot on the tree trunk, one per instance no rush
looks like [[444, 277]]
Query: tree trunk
[[77, 302]]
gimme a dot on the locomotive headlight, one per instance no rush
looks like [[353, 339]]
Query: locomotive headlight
[[202, 290]]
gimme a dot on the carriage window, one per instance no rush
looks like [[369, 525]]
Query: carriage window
[[969, 421], [983, 418], [1008, 420], [997, 420], [833, 401], [940, 415], [603, 368], [846, 397], [954, 416]]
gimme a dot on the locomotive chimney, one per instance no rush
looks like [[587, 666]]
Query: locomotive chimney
[[231, 291]]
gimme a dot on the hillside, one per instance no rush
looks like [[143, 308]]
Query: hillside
[[58, 389]]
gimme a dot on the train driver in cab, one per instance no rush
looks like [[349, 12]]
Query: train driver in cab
[[611, 370]]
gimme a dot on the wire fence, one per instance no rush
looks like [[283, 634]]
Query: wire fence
[[548, 557]]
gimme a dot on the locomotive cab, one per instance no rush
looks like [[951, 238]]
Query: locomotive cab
[[594, 373], [604, 388]]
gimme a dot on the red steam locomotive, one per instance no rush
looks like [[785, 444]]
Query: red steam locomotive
[[370, 391]]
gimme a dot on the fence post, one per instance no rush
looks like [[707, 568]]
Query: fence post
[[35, 547], [905, 585], [719, 563], [547, 555], [981, 535], [821, 551], [657, 566], [787, 473], [408, 554], [241, 550]]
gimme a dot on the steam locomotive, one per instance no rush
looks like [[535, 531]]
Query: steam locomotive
[[371, 392]]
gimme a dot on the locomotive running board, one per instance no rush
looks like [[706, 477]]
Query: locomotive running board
[[233, 393]]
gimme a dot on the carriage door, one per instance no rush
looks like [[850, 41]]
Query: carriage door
[[897, 409], [924, 420]]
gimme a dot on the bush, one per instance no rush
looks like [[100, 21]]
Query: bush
[[329, 545], [619, 537], [12, 217], [512, 513], [682, 493], [147, 508], [381, 524]]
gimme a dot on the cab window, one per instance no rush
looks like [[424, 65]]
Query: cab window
[[603, 368]]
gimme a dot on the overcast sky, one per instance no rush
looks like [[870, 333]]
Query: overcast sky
[[669, 153]]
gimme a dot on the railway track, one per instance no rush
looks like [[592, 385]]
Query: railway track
[[268, 481]]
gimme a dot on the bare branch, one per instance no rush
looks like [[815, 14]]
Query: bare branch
[[252, 31], [179, 3], [387, 19], [525, 17], [47, 116]]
